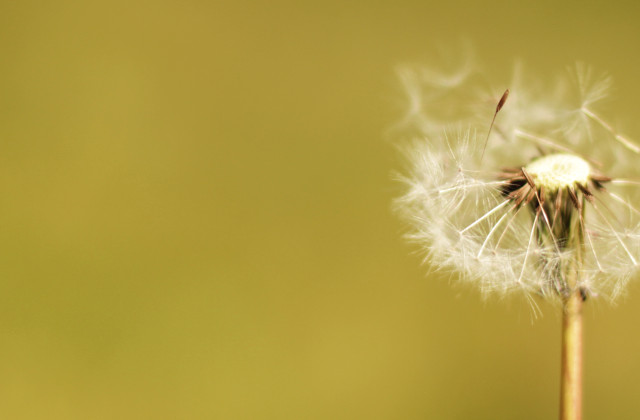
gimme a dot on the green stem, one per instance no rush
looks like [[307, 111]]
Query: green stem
[[571, 380]]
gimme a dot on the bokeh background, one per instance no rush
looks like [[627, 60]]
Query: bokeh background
[[196, 218]]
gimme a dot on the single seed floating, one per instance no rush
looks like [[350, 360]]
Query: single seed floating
[[560, 170]]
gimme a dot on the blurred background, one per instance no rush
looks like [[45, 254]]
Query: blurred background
[[196, 215]]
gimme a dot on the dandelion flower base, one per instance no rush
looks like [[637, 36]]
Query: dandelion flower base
[[560, 170]]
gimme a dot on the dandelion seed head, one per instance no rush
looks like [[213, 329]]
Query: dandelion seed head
[[555, 190]]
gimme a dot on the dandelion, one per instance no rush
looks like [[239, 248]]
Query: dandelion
[[546, 210]]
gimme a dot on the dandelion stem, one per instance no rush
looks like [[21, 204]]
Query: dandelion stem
[[572, 300], [571, 379]]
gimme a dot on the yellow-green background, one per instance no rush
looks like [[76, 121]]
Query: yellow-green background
[[195, 215]]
